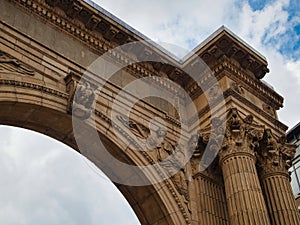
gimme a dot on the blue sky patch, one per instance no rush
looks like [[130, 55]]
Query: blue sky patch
[[287, 43], [297, 29], [293, 8], [258, 4]]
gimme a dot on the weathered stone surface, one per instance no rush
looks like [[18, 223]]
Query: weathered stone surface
[[46, 47]]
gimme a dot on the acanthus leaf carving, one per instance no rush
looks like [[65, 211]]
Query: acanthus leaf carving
[[232, 134], [197, 146], [204, 158], [242, 134], [274, 154]]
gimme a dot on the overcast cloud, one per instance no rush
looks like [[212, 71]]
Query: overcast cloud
[[270, 26], [44, 182]]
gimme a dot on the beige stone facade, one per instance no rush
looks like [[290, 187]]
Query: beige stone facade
[[47, 46]]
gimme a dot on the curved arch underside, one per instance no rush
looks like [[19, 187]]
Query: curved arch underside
[[153, 204], [46, 48]]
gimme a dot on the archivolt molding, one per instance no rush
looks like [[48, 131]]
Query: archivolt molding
[[181, 197], [125, 133]]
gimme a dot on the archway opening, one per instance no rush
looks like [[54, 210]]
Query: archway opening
[[43, 182]]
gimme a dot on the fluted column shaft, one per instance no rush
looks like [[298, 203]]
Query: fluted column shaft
[[246, 205], [212, 208], [274, 157], [280, 199]]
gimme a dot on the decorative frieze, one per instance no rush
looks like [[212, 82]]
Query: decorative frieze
[[10, 65], [268, 109], [237, 88], [33, 86]]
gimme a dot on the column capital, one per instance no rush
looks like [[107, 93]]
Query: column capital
[[241, 134], [274, 154]]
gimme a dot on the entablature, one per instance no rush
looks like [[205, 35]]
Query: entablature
[[226, 55], [102, 32]]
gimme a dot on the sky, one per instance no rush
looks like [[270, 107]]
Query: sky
[[35, 191], [45, 182]]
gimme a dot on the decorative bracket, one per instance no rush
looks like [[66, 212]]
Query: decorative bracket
[[81, 96]]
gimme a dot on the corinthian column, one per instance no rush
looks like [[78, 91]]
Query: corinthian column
[[246, 205], [274, 161]]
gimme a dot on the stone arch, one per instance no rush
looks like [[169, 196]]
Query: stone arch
[[43, 41], [41, 108]]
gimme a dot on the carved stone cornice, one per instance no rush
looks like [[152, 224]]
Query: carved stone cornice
[[274, 154], [101, 34], [244, 100], [93, 39], [239, 75], [255, 86], [228, 46], [91, 20]]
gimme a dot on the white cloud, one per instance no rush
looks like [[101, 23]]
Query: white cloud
[[45, 182], [33, 188], [285, 78], [187, 23], [183, 23], [264, 24], [266, 30]]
